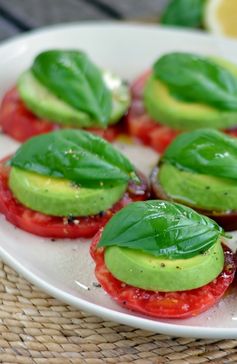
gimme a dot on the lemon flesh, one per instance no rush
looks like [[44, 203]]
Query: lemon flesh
[[221, 17]]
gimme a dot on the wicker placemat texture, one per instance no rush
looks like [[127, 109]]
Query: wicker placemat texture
[[35, 328]]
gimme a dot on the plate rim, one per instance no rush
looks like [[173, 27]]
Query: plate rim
[[115, 23], [150, 324]]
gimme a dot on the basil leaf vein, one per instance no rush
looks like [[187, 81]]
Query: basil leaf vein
[[75, 155], [72, 77], [198, 79], [205, 151], [161, 228]]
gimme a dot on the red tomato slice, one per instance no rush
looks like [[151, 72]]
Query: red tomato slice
[[21, 124], [18, 122], [139, 124], [110, 133], [59, 227], [181, 304], [161, 137], [232, 132], [137, 86]]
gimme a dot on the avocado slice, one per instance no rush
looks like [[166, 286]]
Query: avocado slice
[[154, 273], [60, 197], [181, 115], [198, 190], [45, 104]]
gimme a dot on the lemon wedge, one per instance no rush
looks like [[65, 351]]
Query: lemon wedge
[[221, 17]]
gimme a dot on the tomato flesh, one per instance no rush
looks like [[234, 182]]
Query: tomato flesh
[[181, 304], [59, 227], [21, 124], [141, 126]]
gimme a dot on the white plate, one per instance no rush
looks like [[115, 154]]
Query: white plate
[[64, 269]]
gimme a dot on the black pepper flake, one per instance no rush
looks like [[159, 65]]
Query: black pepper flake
[[53, 239], [70, 219], [124, 302], [162, 265], [207, 187], [74, 185], [229, 268], [178, 267], [96, 284], [101, 213]]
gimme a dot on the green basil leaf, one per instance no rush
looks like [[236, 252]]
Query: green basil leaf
[[186, 13], [197, 79], [161, 228], [72, 77], [205, 151], [75, 155]]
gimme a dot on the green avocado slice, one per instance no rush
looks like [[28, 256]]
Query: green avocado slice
[[60, 197], [152, 273], [45, 104], [198, 190], [181, 115]]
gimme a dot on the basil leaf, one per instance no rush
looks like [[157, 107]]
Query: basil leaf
[[186, 13], [161, 228], [205, 151], [197, 79], [75, 155], [72, 77]]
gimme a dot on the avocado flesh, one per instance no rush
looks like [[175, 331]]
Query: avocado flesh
[[60, 197], [198, 190], [154, 273], [45, 104], [181, 115]]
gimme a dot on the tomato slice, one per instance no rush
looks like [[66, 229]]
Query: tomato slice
[[60, 227], [181, 304], [21, 124], [110, 133], [18, 122]]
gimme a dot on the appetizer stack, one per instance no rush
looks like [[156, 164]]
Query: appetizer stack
[[183, 92], [67, 184], [64, 89], [202, 164], [163, 259], [166, 256]]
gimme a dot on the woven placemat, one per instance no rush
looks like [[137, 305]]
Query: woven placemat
[[36, 328]]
